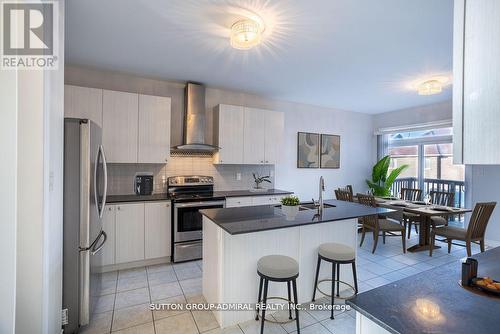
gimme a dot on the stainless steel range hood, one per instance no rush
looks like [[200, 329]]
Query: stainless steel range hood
[[194, 122]]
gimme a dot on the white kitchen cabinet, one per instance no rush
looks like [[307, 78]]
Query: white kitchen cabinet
[[233, 202], [274, 130], [129, 232], [108, 226], [157, 227], [154, 129], [264, 200], [254, 136], [228, 134], [120, 126], [476, 88], [83, 102]]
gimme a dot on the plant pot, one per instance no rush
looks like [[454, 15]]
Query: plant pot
[[290, 211]]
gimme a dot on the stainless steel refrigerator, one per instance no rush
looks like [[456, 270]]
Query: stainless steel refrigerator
[[85, 188]]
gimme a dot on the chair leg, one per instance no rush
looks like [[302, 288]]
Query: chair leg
[[264, 301], [363, 232], [355, 276], [481, 245], [296, 300], [333, 289], [338, 279], [449, 245], [468, 246], [375, 240], [289, 300], [416, 228], [409, 229], [431, 246], [317, 276], [258, 299], [403, 237], [383, 237]]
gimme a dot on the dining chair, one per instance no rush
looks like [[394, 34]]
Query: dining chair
[[474, 232], [442, 198], [343, 195], [377, 224], [411, 194]]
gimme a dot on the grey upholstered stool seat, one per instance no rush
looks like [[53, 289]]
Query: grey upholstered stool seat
[[278, 266], [335, 251]]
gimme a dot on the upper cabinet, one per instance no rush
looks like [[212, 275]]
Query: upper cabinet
[[119, 126], [154, 129], [83, 102], [247, 135], [476, 88]]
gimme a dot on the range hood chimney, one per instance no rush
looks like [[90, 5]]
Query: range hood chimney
[[194, 122]]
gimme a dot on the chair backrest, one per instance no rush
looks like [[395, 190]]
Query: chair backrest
[[410, 194], [349, 189], [368, 200], [442, 198], [479, 220], [343, 195]]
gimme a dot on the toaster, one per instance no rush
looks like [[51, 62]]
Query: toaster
[[143, 184]]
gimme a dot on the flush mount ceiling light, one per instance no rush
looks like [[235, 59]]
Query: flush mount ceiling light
[[432, 86], [246, 33]]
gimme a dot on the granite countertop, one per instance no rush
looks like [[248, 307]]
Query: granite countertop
[[394, 306], [165, 197], [250, 219]]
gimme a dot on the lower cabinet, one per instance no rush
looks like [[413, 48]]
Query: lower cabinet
[[108, 226], [157, 235], [129, 232]]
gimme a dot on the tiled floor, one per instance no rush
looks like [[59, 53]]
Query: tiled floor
[[123, 306]]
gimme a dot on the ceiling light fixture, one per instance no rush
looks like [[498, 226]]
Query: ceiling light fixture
[[245, 34], [430, 87]]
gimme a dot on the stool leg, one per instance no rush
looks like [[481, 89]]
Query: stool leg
[[289, 301], [258, 299], [355, 277], [264, 301], [296, 300], [333, 288], [338, 279], [316, 280]]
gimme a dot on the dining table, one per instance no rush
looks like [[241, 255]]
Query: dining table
[[424, 211]]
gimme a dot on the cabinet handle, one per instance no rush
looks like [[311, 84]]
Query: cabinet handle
[[118, 208], [110, 208]]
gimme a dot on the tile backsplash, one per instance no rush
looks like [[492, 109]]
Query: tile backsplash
[[121, 176]]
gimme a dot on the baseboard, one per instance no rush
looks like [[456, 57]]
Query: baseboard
[[135, 264], [492, 243]]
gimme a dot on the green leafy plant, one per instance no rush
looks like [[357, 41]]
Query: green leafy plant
[[259, 179], [381, 183], [290, 200]]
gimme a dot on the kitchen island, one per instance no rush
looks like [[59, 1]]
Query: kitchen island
[[431, 302], [235, 238]]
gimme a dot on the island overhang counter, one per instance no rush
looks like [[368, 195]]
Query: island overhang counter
[[234, 239]]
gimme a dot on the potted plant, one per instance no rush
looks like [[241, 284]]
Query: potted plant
[[259, 180], [290, 206], [381, 183]]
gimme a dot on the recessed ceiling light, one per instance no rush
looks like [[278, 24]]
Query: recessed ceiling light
[[245, 34]]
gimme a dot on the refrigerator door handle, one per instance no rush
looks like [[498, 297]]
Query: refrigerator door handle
[[101, 206], [97, 249]]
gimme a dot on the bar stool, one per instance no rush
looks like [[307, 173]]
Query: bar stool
[[336, 254], [277, 268]]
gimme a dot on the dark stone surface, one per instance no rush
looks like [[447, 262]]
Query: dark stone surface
[[393, 306], [136, 198], [240, 193], [268, 217]]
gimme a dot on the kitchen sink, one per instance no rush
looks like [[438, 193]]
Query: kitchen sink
[[312, 206]]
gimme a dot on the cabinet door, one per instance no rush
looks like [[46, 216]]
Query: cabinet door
[[119, 126], [129, 232], [228, 121], [254, 136], [154, 129], [83, 102], [233, 202], [157, 227], [481, 96], [274, 126], [108, 226]]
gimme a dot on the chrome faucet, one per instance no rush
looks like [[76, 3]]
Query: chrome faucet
[[320, 199]]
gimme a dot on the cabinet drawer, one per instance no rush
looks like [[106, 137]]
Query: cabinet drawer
[[232, 202]]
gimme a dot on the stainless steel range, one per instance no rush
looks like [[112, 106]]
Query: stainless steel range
[[190, 194]]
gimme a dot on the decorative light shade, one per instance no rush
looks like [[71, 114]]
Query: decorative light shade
[[246, 34], [430, 87]]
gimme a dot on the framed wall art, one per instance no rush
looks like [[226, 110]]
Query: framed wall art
[[308, 145]]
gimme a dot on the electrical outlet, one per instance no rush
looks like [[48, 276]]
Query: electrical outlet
[[238, 176]]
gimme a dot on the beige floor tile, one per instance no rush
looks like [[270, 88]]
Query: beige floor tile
[[343, 323], [164, 313], [187, 273], [317, 328], [161, 277], [131, 316], [228, 330], [109, 276], [100, 323], [160, 268], [104, 303], [132, 272], [182, 323], [305, 319], [253, 327], [131, 283], [132, 297], [191, 287], [167, 290], [141, 329], [107, 287]]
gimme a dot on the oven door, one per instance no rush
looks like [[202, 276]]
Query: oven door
[[188, 220]]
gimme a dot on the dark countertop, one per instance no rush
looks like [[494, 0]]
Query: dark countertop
[[250, 219], [393, 306], [164, 197]]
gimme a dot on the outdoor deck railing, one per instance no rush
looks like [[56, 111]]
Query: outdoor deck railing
[[457, 187]]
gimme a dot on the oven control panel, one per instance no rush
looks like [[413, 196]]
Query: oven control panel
[[192, 180]]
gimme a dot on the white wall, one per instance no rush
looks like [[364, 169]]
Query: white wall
[[356, 129]]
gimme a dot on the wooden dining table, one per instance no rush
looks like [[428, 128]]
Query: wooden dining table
[[425, 212]]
